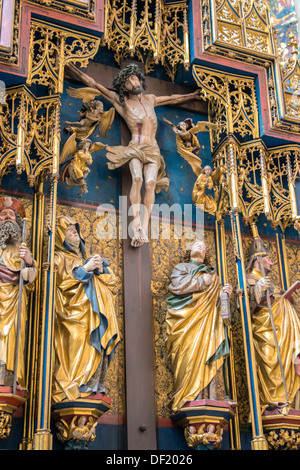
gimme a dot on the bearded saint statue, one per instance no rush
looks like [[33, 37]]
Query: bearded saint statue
[[11, 253]]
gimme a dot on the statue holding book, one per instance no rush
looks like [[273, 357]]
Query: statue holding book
[[196, 335], [86, 332], [276, 332]]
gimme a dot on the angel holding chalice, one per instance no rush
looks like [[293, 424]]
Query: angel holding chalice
[[188, 147]]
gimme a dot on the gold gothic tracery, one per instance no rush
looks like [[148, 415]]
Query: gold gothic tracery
[[258, 180], [244, 24], [27, 130], [232, 103], [291, 82], [241, 30], [153, 31], [239, 24], [51, 48], [78, 8]]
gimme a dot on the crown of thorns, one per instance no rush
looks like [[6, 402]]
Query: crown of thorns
[[123, 75]]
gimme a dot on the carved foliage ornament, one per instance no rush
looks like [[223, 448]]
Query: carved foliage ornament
[[242, 24], [232, 103], [5, 424], [284, 440]]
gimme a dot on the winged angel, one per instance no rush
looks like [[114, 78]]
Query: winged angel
[[78, 145], [83, 431], [188, 147], [76, 169]]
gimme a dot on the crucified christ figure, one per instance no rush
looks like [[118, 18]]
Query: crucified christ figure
[[143, 154]]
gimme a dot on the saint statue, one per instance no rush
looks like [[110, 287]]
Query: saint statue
[[196, 335], [277, 347], [12, 251], [86, 331], [142, 153]]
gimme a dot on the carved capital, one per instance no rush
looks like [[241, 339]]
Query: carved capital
[[76, 421]]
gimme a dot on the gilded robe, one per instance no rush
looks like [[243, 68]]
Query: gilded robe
[[196, 336], [10, 264], [86, 331], [199, 197], [80, 161], [287, 324], [190, 143]]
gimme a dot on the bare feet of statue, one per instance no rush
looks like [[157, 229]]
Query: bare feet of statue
[[84, 189], [139, 238], [83, 185]]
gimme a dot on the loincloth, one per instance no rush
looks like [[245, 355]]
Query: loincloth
[[121, 154]]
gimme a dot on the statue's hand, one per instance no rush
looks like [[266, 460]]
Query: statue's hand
[[25, 254], [264, 283], [197, 94], [95, 262], [228, 289]]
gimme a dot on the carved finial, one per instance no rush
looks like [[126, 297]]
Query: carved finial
[[293, 44]]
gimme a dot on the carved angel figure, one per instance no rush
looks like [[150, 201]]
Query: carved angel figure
[[76, 169], [188, 147], [91, 114], [211, 437], [85, 429], [186, 134], [203, 182]]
